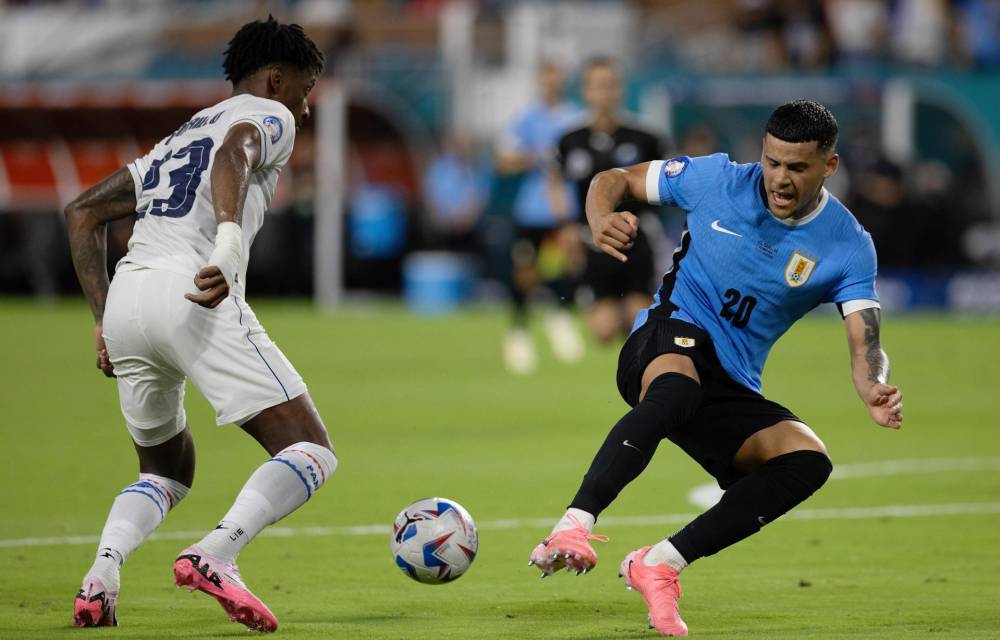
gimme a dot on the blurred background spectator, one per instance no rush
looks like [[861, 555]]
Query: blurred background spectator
[[613, 292], [541, 214], [422, 92], [456, 188]]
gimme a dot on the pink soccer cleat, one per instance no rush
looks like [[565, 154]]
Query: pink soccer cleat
[[95, 605], [221, 580], [660, 588], [569, 548]]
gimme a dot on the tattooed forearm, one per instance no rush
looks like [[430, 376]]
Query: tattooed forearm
[[89, 249], [86, 219], [875, 357]]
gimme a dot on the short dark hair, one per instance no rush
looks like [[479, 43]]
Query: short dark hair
[[804, 121], [601, 61], [261, 43]]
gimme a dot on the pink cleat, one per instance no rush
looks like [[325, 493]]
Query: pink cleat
[[569, 548], [94, 605], [660, 588], [221, 580]]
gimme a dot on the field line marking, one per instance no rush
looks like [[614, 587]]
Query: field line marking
[[707, 494], [916, 466], [836, 513]]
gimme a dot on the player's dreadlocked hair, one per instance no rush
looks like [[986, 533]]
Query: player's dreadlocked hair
[[258, 44], [804, 121]]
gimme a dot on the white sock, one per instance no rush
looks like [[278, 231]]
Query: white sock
[[581, 518], [135, 513], [665, 552], [278, 487]]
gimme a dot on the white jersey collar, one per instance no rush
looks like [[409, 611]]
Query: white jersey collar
[[824, 197]]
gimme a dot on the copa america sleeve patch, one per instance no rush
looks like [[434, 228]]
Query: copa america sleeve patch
[[273, 127], [675, 167]]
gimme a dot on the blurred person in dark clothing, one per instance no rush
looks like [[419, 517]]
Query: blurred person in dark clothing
[[879, 204], [806, 34], [905, 217], [935, 192], [761, 46], [608, 140]]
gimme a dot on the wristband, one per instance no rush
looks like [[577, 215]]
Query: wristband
[[228, 252]]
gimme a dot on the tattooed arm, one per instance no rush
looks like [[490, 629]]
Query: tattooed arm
[[86, 224], [870, 369]]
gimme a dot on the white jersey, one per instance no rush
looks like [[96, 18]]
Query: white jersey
[[175, 223]]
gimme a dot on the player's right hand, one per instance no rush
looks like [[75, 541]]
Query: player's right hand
[[213, 286], [103, 360], [615, 232]]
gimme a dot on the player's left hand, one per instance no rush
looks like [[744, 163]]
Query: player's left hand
[[885, 405], [103, 359], [213, 286]]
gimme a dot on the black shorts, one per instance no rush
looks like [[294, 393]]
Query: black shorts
[[532, 236], [528, 242], [610, 278], [729, 412]]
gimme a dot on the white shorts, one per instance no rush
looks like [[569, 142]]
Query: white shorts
[[156, 338]]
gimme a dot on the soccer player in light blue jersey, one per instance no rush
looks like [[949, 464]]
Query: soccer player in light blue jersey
[[765, 243]]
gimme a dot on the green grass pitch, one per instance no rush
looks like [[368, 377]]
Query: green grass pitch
[[419, 407]]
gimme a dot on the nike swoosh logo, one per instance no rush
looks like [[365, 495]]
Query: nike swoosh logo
[[716, 227], [762, 520], [628, 444]]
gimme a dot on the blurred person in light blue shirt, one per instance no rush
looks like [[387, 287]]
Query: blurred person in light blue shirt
[[527, 145], [979, 27], [456, 188], [542, 251]]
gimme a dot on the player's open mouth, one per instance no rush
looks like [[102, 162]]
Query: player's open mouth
[[782, 199]]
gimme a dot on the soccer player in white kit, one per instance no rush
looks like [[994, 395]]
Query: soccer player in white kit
[[175, 310]]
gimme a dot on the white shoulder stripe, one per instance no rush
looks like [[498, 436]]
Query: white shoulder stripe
[[853, 306], [653, 181], [137, 178]]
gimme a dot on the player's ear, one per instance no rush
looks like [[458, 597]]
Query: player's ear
[[832, 164], [275, 80]]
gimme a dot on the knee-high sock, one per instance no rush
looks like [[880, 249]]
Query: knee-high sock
[[137, 510], [278, 487], [761, 497], [670, 401]]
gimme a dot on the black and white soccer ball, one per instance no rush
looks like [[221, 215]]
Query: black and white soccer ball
[[434, 540]]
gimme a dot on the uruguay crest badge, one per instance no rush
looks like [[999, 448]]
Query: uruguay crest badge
[[799, 268]]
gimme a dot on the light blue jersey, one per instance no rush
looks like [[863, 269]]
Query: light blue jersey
[[743, 275], [535, 133]]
